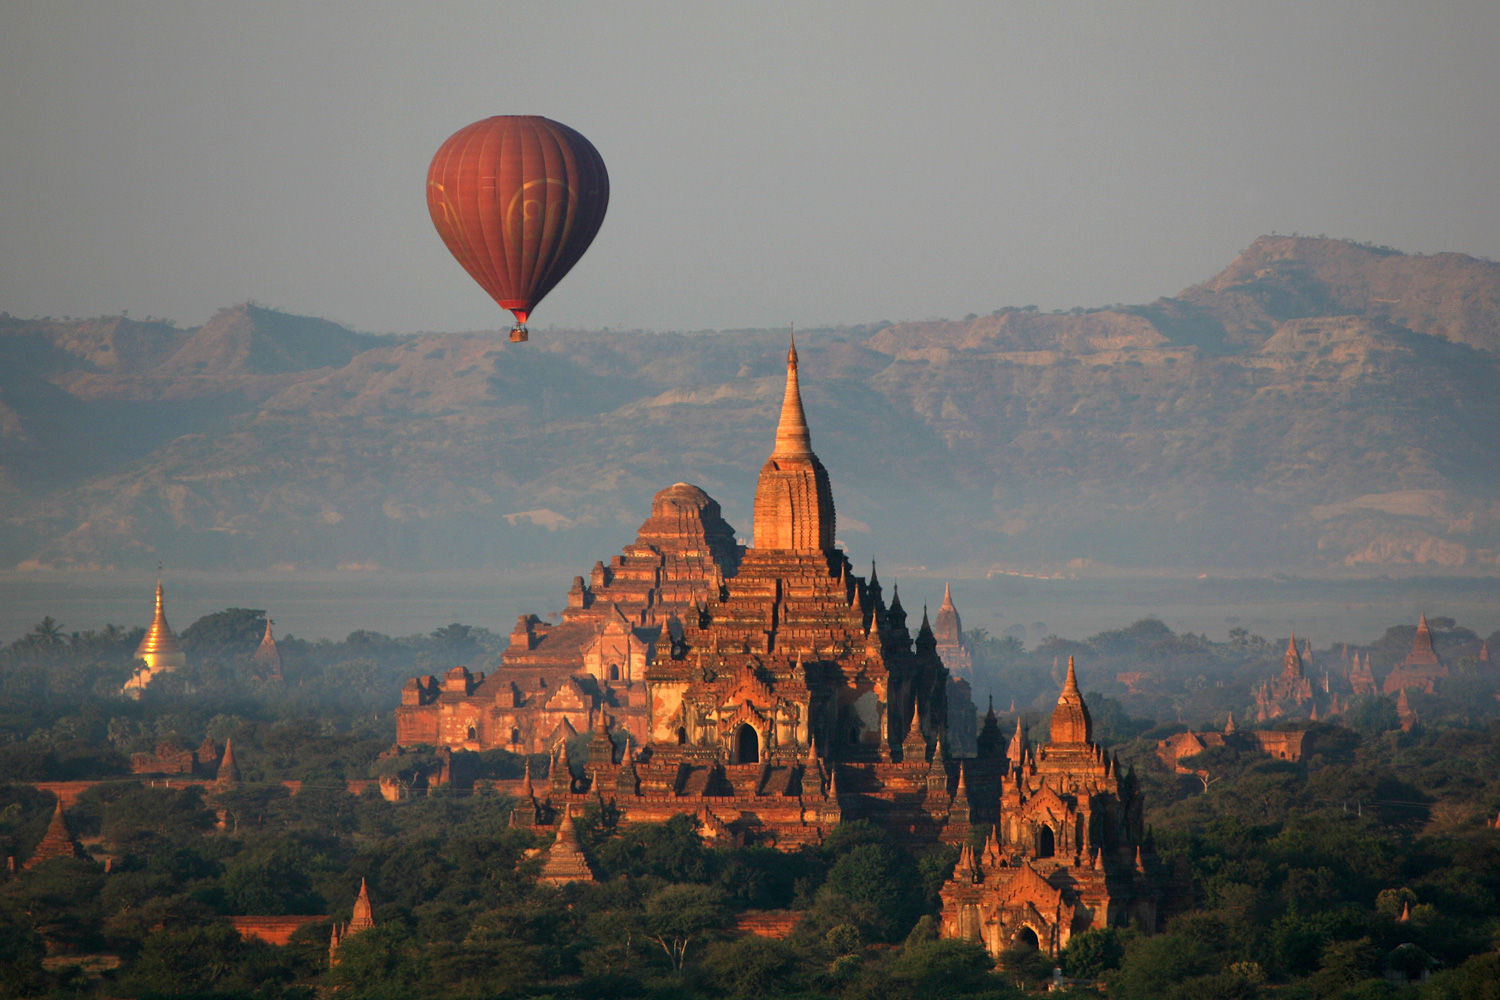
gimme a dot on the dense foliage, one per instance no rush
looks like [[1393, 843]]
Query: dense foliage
[[1344, 875]]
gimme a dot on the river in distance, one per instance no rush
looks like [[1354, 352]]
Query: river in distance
[[330, 605]]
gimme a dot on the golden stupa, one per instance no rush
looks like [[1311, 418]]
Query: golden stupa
[[159, 651]]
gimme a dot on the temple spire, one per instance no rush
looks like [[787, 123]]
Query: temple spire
[[793, 499], [159, 649], [792, 435], [363, 917], [229, 772]]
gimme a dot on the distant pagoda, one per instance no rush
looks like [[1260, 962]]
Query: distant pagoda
[[267, 658], [361, 919], [57, 842], [159, 651], [565, 860], [1421, 670]]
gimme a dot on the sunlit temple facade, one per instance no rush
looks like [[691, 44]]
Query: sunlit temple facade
[[768, 688]]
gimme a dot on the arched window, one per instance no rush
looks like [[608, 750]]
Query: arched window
[[473, 733], [515, 735], [682, 734], [614, 671], [747, 744], [1046, 844]]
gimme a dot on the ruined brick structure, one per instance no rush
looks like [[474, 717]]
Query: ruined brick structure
[[1291, 744], [770, 690], [169, 758], [1067, 852]]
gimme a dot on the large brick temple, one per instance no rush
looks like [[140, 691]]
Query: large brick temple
[[774, 692], [766, 688]]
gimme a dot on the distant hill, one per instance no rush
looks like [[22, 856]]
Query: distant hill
[[1316, 406]]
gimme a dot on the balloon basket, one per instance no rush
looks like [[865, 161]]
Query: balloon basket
[[519, 334]]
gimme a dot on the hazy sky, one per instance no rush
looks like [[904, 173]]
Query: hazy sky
[[768, 163]]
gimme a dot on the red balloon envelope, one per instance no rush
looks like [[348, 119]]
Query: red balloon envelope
[[517, 199]]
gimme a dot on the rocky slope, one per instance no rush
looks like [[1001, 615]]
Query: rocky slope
[[1317, 406]]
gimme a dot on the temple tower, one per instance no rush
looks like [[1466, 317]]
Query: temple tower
[[950, 637], [1072, 726], [362, 919], [793, 499], [1067, 853], [1421, 669]]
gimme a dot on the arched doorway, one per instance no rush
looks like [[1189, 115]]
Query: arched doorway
[[682, 734], [1026, 938], [1046, 844], [614, 671], [747, 744]]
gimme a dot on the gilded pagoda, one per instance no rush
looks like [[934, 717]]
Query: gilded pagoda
[[158, 653]]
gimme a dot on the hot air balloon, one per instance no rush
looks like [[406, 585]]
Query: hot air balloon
[[517, 199]]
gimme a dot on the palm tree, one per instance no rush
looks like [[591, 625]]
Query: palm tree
[[48, 632]]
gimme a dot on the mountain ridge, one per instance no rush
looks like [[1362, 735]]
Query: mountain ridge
[[1258, 421]]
